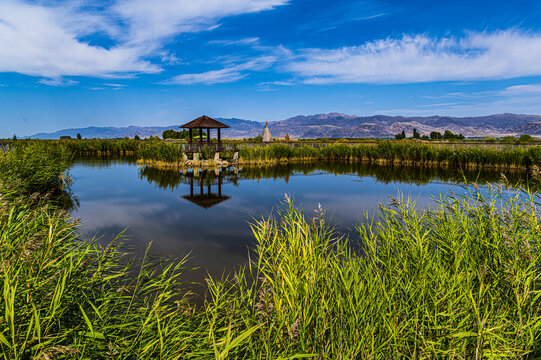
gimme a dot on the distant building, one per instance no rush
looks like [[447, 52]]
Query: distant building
[[267, 137]]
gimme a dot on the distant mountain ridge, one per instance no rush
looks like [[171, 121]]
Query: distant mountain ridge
[[337, 125], [238, 129], [342, 125]]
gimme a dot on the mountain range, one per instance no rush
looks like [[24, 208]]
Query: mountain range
[[337, 125]]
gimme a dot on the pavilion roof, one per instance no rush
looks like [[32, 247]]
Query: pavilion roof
[[204, 122], [206, 200]]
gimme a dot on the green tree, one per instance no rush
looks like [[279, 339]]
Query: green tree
[[435, 135], [172, 134], [525, 138], [416, 134], [258, 138], [79, 137], [448, 134], [136, 137], [400, 136]]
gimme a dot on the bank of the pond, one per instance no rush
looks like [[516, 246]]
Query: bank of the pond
[[460, 279], [383, 152], [398, 153]]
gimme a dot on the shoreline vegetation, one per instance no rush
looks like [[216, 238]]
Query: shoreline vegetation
[[408, 153], [457, 280], [171, 179]]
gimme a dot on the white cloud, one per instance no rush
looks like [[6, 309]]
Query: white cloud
[[439, 105], [414, 59], [168, 58], [245, 41], [34, 40], [58, 81], [232, 72], [530, 90], [278, 83], [236, 67], [45, 39], [519, 90], [151, 21]]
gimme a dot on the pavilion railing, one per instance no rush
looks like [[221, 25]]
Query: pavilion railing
[[197, 147]]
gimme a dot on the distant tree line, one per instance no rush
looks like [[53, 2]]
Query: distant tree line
[[434, 135], [258, 138], [184, 134], [172, 134], [67, 137]]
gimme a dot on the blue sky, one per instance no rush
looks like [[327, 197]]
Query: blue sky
[[160, 62]]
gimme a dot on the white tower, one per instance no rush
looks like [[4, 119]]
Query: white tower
[[267, 137]]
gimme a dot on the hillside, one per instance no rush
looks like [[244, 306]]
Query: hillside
[[338, 125]]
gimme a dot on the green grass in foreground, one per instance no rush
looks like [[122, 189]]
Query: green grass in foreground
[[459, 280]]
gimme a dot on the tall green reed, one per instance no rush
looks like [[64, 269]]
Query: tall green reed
[[67, 297], [457, 280], [399, 152], [34, 167]]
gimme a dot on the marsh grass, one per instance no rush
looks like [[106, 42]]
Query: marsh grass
[[64, 298], [382, 152], [457, 280], [145, 149], [399, 153], [34, 167]]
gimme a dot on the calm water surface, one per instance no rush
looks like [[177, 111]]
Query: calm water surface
[[167, 208]]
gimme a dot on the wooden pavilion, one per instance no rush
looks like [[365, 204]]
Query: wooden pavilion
[[207, 123]]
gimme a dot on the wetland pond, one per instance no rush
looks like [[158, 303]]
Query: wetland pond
[[208, 215]]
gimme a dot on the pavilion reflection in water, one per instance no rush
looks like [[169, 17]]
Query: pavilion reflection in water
[[202, 184], [205, 186]]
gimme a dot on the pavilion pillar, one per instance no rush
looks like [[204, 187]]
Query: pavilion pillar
[[219, 142], [191, 139], [200, 137], [208, 137]]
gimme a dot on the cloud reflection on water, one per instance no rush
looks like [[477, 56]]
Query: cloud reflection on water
[[151, 207]]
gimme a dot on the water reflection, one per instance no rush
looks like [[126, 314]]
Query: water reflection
[[204, 187], [208, 214], [385, 174]]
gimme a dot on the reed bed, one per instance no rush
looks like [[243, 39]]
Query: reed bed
[[68, 298], [459, 280], [456, 280], [35, 167], [145, 149], [398, 153], [99, 147], [382, 152]]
